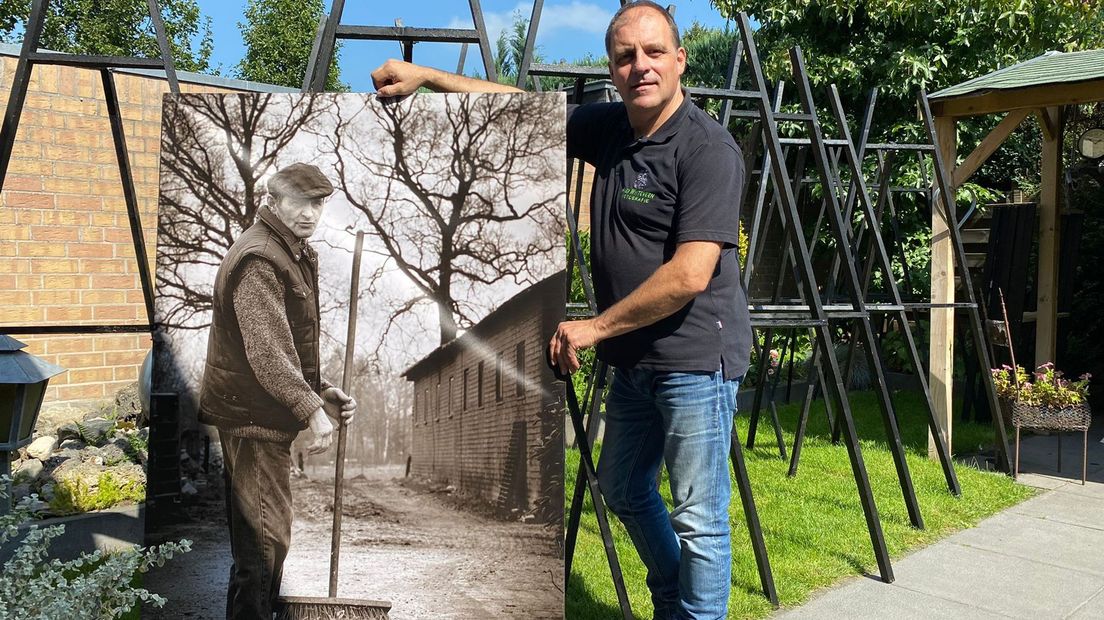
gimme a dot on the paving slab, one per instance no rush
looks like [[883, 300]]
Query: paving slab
[[996, 582], [874, 601], [1031, 538], [1075, 509], [1093, 609]]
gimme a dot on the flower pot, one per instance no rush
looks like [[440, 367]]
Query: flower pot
[[1075, 417]]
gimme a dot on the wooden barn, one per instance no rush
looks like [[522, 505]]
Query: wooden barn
[[488, 413]]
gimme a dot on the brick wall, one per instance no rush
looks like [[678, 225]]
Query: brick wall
[[486, 449], [66, 252]]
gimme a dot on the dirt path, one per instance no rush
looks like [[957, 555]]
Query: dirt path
[[401, 543]]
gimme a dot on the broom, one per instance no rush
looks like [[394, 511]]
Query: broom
[[333, 608]]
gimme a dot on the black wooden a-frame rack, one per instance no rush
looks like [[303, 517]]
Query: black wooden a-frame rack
[[30, 56], [330, 30]]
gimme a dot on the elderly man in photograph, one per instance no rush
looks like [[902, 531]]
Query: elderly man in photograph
[[673, 318], [262, 383]]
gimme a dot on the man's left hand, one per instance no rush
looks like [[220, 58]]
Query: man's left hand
[[570, 337], [338, 405]]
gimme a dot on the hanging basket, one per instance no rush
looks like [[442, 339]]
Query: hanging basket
[[1072, 418]]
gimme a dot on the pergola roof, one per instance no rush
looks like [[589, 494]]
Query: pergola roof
[[1053, 79]]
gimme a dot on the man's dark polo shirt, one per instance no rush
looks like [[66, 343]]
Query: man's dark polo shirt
[[684, 183]]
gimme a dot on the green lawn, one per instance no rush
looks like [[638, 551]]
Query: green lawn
[[813, 524]]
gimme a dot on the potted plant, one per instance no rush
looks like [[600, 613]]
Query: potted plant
[[1049, 401]]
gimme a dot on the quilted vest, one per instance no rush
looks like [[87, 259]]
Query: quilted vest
[[230, 395]]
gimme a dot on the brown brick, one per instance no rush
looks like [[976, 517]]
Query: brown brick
[[117, 313], [24, 165], [118, 235], [90, 250], [103, 297], [85, 105], [25, 200], [68, 313], [54, 265], [55, 218], [81, 360], [105, 220], [92, 235], [29, 281], [64, 281], [7, 282], [41, 249], [13, 232], [54, 233], [56, 297], [66, 153], [20, 315], [91, 203], [89, 375], [135, 296], [66, 185], [127, 373], [114, 281], [23, 183], [66, 393], [88, 123], [103, 266], [17, 298], [123, 358], [119, 342]]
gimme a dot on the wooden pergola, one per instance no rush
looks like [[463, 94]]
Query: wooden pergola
[[1040, 88]]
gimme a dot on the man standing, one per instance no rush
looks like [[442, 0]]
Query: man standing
[[261, 381], [673, 316]]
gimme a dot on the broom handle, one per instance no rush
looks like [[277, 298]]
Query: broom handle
[[346, 381]]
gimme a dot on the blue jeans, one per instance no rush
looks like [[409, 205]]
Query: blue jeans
[[685, 421]]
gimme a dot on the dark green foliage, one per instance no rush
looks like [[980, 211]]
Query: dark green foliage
[[116, 28], [278, 36]]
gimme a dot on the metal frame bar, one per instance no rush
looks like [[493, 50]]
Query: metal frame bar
[[28, 57]]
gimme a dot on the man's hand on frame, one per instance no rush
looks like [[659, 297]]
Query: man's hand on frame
[[338, 405], [570, 337], [322, 429]]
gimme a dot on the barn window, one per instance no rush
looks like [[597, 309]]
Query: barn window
[[425, 405], [415, 406], [498, 378], [464, 404], [479, 385], [449, 402], [519, 370], [437, 413]]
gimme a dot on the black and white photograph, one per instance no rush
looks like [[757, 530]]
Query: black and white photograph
[[367, 285]]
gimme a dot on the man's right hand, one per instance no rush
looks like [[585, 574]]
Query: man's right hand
[[322, 429], [395, 78]]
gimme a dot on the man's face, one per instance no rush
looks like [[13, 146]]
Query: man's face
[[645, 63], [299, 214]]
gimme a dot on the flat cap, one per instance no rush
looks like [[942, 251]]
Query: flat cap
[[300, 180]]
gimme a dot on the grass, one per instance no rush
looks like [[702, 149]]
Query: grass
[[813, 524]]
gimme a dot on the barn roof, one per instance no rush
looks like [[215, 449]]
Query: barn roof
[[551, 287]]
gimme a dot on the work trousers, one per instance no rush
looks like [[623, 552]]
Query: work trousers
[[258, 510]]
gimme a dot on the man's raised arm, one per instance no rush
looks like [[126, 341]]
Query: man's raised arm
[[395, 77]]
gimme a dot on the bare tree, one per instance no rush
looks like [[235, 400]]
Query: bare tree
[[209, 195], [454, 187]]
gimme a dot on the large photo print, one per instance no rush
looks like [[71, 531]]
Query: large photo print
[[452, 494]]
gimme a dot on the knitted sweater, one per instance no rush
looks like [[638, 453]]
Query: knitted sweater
[[270, 349]]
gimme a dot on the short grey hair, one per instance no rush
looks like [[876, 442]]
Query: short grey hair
[[640, 4]]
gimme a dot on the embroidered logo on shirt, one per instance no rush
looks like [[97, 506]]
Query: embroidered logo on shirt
[[641, 180], [637, 195]]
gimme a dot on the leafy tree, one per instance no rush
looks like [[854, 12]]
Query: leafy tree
[[116, 28], [279, 35]]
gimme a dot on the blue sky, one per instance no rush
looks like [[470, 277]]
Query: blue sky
[[569, 29]]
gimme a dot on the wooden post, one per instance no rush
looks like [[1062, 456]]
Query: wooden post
[[1046, 317], [941, 349]]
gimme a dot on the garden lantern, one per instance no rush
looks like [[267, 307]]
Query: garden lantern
[[23, 379]]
